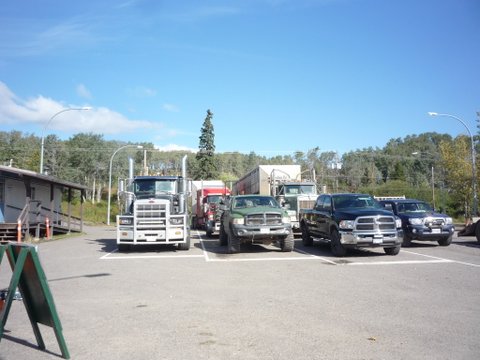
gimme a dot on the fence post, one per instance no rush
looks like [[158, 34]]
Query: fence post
[[47, 224], [19, 231]]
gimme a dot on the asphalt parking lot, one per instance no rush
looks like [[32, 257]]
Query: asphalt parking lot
[[161, 303]]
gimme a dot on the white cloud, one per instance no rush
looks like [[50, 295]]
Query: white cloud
[[83, 92], [142, 92], [170, 108], [42, 111], [175, 147]]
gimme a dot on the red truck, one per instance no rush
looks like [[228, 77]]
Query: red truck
[[205, 208]]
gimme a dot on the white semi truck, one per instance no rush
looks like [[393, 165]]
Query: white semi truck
[[285, 183], [154, 211]]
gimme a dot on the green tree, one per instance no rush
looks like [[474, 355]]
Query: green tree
[[206, 166], [458, 171]]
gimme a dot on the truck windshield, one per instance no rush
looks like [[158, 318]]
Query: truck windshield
[[213, 199], [413, 207], [254, 201], [153, 188], [355, 201], [297, 189]]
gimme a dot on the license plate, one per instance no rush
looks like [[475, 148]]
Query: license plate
[[264, 230], [377, 240], [436, 231]]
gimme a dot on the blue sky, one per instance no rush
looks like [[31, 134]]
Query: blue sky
[[279, 75]]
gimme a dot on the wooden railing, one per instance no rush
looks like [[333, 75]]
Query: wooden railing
[[33, 217]]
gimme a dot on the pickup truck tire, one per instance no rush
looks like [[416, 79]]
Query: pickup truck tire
[[185, 245], [223, 237], [335, 245], [288, 243], [392, 250], [407, 240], [477, 231], [445, 241], [306, 238], [233, 244]]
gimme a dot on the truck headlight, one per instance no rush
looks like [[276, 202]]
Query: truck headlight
[[347, 224], [125, 221], [448, 221], [398, 222], [415, 221], [176, 220], [286, 220], [238, 221]]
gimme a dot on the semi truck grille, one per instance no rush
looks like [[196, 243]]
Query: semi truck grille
[[263, 219], [151, 216], [146, 211], [375, 223]]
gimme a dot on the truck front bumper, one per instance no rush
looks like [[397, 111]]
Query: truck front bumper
[[145, 237], [213, 226], [261, 232], [356, 240], [426, 233]]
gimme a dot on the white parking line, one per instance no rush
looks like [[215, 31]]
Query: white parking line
[[266, 259], [308, 257], [439, 258], [122, 257], [400, 262], [149, 257]]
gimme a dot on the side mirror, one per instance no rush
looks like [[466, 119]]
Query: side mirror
[[388, 207]]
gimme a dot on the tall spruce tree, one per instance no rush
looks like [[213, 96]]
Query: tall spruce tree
[[206, 166]]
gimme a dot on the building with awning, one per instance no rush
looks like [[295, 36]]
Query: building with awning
[[30, 201]]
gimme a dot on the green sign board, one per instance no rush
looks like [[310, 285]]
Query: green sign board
[[30, 279]]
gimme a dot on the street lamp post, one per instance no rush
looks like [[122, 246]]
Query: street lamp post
[[110, 177], [45, 128], [474, 171]]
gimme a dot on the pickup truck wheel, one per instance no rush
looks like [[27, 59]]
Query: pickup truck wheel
[[233, 244], [185, 245], [407, 240], [392, 250], [223, 237], [288, 243], [445, 241], [307, 240], [335, 245], [477, 231]]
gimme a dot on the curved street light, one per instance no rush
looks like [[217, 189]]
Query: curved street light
[[45, 128], [110, 177], [474, 171]]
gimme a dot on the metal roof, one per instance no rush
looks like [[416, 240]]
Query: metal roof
[[16, 173]]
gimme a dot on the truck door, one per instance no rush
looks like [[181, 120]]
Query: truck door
[[325, 216], [316, 219]]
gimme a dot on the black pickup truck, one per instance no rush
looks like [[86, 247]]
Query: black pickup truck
[[421, 222], [349, 221]]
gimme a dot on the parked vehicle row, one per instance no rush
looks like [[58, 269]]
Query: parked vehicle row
[[154, 210]]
